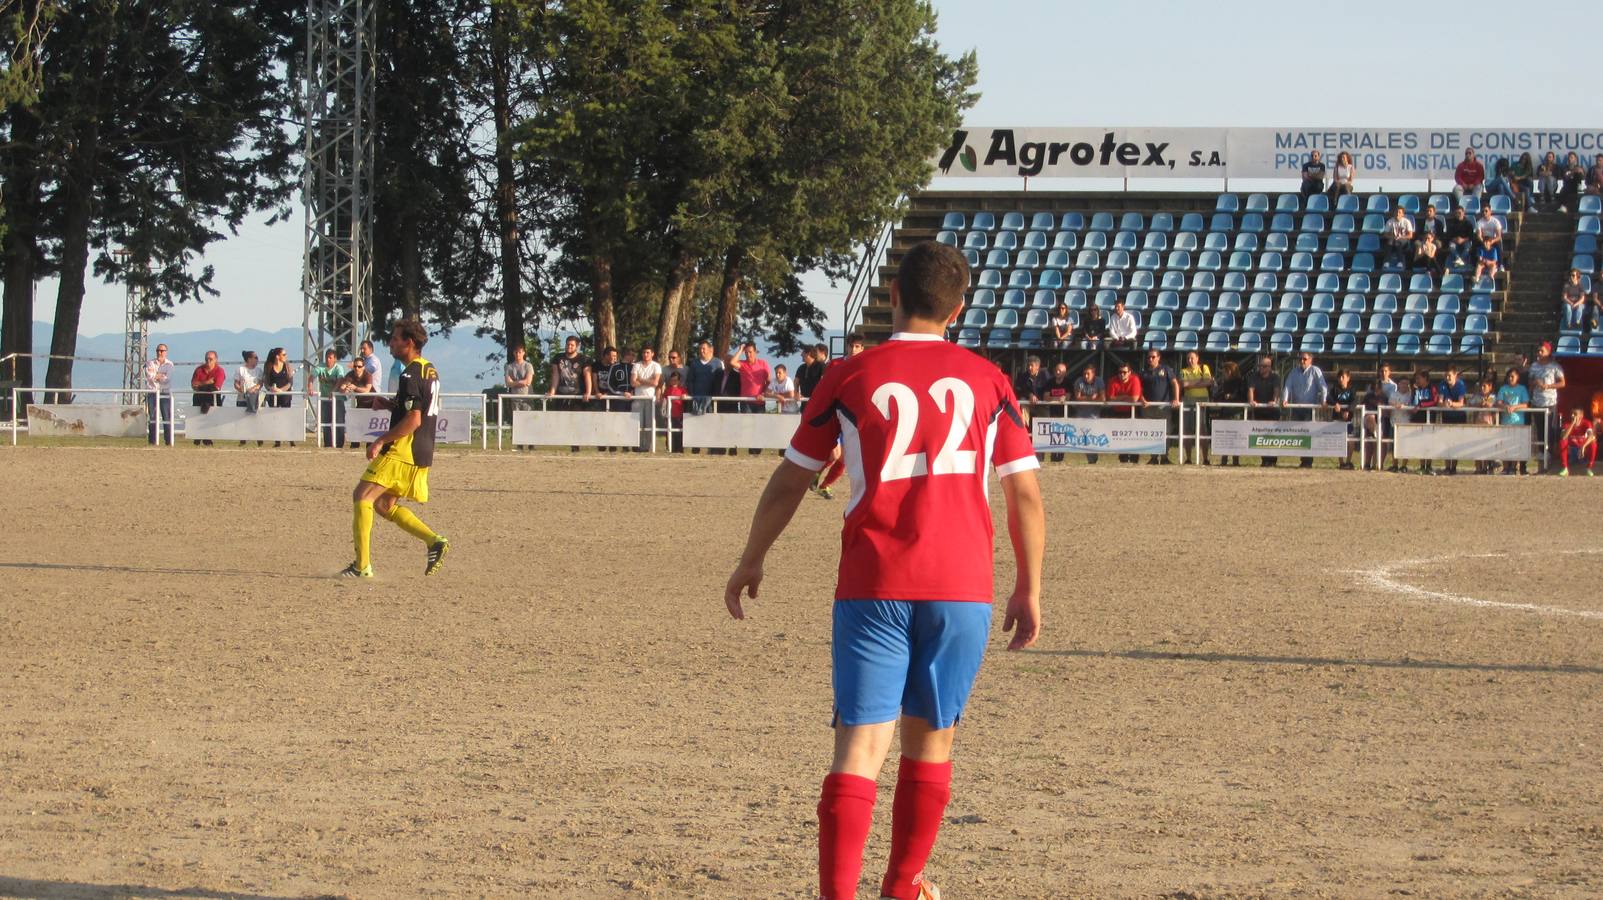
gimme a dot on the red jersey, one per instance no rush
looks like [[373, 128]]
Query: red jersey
[[1577, 431], [920, 423], [1123, 390]]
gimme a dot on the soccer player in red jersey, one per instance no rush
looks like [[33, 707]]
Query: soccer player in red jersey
[[921, 422], [854, 346], [1579, 434]]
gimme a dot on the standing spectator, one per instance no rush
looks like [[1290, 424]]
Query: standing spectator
[[1571, 178], [1342, 175], [518, 376], [1383, 397], [754, 377], [1372, 402], [1231, 387], [1030, 385], [370, 363], [1124, 386], [1452, 394], [1489, 238], [1094, 333], [706, 377], [1549, 175], [1468, 179], [248, 382], [676, 363], [1592, 318], [1343, 400], [1572, 300], [1062, 323], [1422, 399], [159, 380], [1578, 435], [784, 394], [1088, 388], [1513, 399], [358, 387], [1196, 387], [572, 378], [1160, 397], [1122, 330], [812, 370], [1305, 391], [1430, 223], [612, 379], [1397, 238], [1523, 178], [1313, 176], [278, 382], [673, 398], [1263, 398], [1460, 240], [1545, 381], [1594, 179], [645, 377], [207, 382], [854, 344], [1485, 400], [324, 385], [1428, 257], [1058, 388]]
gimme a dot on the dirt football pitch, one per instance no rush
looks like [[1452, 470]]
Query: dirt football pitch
[[1249, 683]]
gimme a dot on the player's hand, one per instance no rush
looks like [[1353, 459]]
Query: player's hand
[[746, 577], [1023, 619], [374, 449]]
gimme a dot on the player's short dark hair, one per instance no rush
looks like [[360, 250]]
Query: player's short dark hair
[[411, 330], [822, 348], [855, 338]]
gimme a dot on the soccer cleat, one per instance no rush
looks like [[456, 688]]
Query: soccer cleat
[[437, 551], [355, 571], [1564, 472], [826, 493], [926, 891]]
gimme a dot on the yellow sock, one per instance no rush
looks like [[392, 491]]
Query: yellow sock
[[411, 524], [362, 531]]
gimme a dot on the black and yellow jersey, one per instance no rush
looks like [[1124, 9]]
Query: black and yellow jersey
[[419, 389]]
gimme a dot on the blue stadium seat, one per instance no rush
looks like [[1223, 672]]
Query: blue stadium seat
[[1332, 262], [1072, 221], [1587, 225], [1594, 345], [1199, 300], [1359, 282], [1350, 323], [1224, 320], [1102, 221], [1590, 205], [1284, 223], [1306, 242], [1277, 242], [1044, 299], [1246, 241], [1344, 344], [1217, 342], [1088, 259], [1471, 343], [1065, 240], [1374, 223], [1313, 223], [1355, 303], [1095, 240], [1001, 338], [1234, 281], [1173, 280], [1288, 203], [1252, 222], [1075, 299], [1254, 321], [1227, 203], [1410, 204], [1480, 303], [1191, 321], [1117, 259], [1317, 203], [1167, 300], [1417, 303], [1155, 340], [1132, 221], [1155, 241], [1240, 261], [1149, 260], [1007, 318], [975, 240], [984, 221], [1263, 301], [1585, 263], [1030, 339], [1339, 243], [1487, 286], [1447, 303], [1317, 322], [1249, 342], [1421, 282], [1111, 278], [1217, 241], [1442, 202], [1328, 281], [1368, 243], [990, 278], [1342, 223], [997, 259], [1322, 301], [1281, 343], [1143, 279], [1126, 240], [949, 238], [1185, 340], [973, 257], [1041, 221], [1390, 283], [1568, 345], [1271, 261], [1313, 343], [969, 337], [1179, 260], [1386, 303], [1297, 281], [1263, 281], [1230, 300], [976, 318], [1380, 323], [1204, 281], [1285, 321], [1377, 343], [1015, 299], [1413, 323], [1378, 203], [1191, 222], [1408, 344], [1475, 323], [1210, 261], [1439, 345], [1501, 205], [1257, 203], [1105, 298], [1161, 222], [1013, 221], [1186, 241], [1135, 300], [1058, 259], [1036, 318], [984, 299], [1444, 323], [1347, 203], [1162, 320], [954, 221], [1584, 243], [1019, 278], [1035, 240], [1302, 262], [1006, 240], [1222, 222], [1472, 206], [1027, 259]]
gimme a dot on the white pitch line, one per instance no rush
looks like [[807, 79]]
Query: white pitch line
[[1385, 578]]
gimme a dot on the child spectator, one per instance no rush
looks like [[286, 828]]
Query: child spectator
[[1196, 387], [1512, 398], [673, 398], [1489, 238], [1422, 399], [1342, 400], [1579, 436], [1428, 256], [1485, 400], [324, 386]]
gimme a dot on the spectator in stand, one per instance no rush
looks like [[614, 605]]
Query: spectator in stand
[[1513, 399], [1578, 435], [1594, 176], [1571, 179], [1468, 179], [357, 386], [1498, 185], [785, 393], [1522, 176], [1430, 223], [676, 363], [518, 376], [1124, 386], [1062, 327], [754, 377], [1572, 300], [808, 373], [1313, 176], [854, 344], [645, 377], [1428, 257], [1088, 388], [1094, 331], [1397, 238], [1485, 400], [1058, 388], [1230, 388], [1452, 394], [248, 382], [207, 382], [1372, 402], [1549, 176], [1460, 240], [573, 378], [1263, 398], [1342, 175], [1160, 398], [1422, 399], [1544, 383], [612, 380], [1030, 384], [673, 399], [1122, 330], [1343, 400], [324, 386], [706, 377], [159, 378], [1196, 387], [1305, 390], [1378, 415], [1592, 318], [370, 363], [278, 382], [1489, 237]]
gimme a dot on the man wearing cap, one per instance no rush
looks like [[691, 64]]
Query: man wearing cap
[[1545, 381]]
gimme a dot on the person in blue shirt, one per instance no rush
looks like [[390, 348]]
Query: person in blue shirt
[[1451, 394], [1511, 398], [1423, 398]]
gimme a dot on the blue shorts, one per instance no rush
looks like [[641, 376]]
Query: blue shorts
[[1493, 253], [906, 657]]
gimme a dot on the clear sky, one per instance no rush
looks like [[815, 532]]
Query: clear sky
[[1246, 63]]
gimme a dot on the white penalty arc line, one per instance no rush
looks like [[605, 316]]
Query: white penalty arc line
[[1385, 578]]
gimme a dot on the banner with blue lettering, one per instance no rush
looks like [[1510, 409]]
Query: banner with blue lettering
[[1110, 435], [1392, 153]]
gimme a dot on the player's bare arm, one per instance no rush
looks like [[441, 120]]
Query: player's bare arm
[[785, 491], [1026, 527], [402, 427]]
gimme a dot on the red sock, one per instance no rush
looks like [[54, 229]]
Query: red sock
[[845, 812], [834, 473], [922, 789]]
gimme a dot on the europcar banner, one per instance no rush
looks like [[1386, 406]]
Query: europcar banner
[[1397, 153], [1237, 438], [1113, 435], [1450, 441]]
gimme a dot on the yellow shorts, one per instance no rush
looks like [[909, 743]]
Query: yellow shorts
[[402, 479]]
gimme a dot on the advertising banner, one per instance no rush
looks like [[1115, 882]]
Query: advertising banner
[[451, 426], [1100, 435], [1469, 442], [235, 423], [85, 420], [765, 431], [1234, 438], [1111, 152], [556, 428]]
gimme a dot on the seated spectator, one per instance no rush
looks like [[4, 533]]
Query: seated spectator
[[784, 391], [1594, 176], [1313, 176], [518, 376], [1343, 400], [1062, 327], [1571, 179], [1121, 327], [673, 399], [207, 383], [1452, 394], [1522, 177], [1593, 317], [1088, 388], [248, 383], [1460, 240], [1124, 386], [1397, 239], [1485, 400], [1160, 398], [323, 386], [1094, 330], [1428, 257], [1422, 399], [1549, 175], [1431, 223], [1196, 387], [1512, 398], [1579, 436], [1489, 240], [1572, 301], [1342, 175], [1263, 397], [1231, 387], [1498, 185], [1469, 179], [1030, 385]]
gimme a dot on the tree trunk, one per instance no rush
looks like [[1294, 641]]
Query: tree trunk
[[513, 309], [687, 311], [21, 247], [728, 301], [602, 320], [672, 296], [77, 200], [411, 266]]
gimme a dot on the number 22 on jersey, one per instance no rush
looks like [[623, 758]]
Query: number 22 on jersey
[[898, 403]]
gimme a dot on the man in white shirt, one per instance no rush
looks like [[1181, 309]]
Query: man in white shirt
[[1489, 243], [645, 376], [248, 382], [1121, 327], [1398, 238], [1545, 381], [159, 378]]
